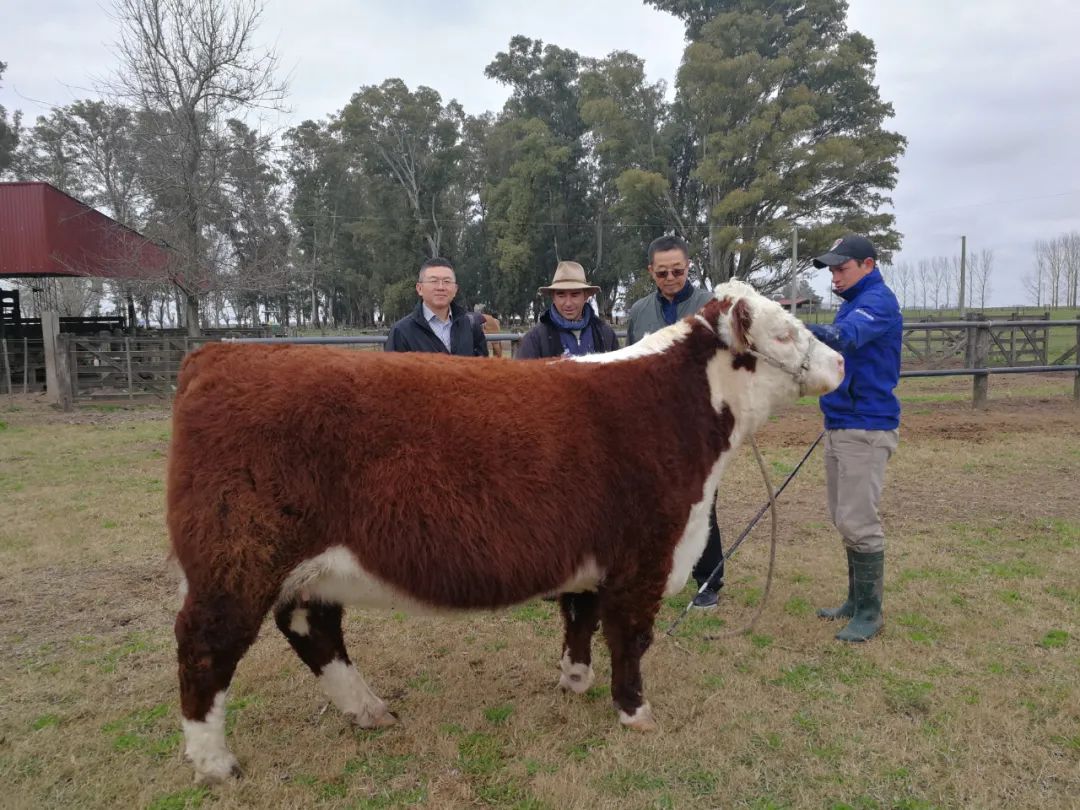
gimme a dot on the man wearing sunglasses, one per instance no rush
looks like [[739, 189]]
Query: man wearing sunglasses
[[675, 298], [437, 324]]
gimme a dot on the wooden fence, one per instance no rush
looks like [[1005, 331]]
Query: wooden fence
[[132, 368]]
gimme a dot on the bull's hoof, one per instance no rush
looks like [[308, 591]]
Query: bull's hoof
[[214, 771], [577, 678], [640, 720], [380, 717]]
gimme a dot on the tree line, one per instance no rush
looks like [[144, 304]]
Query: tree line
[[774, 122]]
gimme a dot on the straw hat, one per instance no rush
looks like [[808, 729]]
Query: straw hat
[[569, 276]]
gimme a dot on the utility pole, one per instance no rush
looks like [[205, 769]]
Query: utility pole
[[963, 272], [794, 267]]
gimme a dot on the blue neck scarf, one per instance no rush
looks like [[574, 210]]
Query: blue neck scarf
[[572, 344], [670, 309]]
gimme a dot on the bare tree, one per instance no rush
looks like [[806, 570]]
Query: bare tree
[[1070, 249], [189, 65], [1035, 281], [926, 282], [982, 268]]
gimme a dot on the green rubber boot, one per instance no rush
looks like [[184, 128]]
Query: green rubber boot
[[869, 576], [846, 610]]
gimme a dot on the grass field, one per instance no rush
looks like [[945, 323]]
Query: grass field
[[971, 698]]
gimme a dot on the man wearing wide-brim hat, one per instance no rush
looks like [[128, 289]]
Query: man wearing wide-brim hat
[[569, 326]]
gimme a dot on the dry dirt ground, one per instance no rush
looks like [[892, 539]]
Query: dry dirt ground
[[970, 699]]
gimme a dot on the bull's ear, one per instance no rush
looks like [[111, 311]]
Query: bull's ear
[[711, 313], [740, 325]]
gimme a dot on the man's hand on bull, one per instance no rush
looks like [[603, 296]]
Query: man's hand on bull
[[826, 333]]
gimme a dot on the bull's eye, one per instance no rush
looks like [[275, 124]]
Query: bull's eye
[[787, 337]]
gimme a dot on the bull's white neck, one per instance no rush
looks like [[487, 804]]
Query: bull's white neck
[[655, 343]]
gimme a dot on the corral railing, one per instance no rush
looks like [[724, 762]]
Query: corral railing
[[146, 367]]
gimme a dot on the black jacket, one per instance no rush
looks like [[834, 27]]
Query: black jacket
[[412, 334], [543, 339]]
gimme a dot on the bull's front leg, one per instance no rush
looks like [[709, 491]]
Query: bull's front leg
[[581, 617], [628, 624]]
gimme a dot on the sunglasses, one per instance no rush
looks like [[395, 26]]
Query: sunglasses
[[676, 273]]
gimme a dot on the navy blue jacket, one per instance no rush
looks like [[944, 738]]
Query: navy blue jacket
[[412, 334], [543, 339], [867, 330]]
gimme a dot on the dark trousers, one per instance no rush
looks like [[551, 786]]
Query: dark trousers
[[711, 556]]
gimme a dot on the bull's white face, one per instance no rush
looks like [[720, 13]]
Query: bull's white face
[[789, 360]]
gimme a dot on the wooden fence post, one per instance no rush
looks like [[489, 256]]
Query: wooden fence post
[[1076, 361], [7, 366], [980, 357], [127, 356], [26, 363]]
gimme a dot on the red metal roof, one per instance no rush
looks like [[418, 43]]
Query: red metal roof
[[45, 232]]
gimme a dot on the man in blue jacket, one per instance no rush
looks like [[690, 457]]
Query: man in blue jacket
[[862, 420]]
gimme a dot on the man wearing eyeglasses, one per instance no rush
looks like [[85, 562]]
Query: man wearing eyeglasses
[[675, 298], [437, 324]]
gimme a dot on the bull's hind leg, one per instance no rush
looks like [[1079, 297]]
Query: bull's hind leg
[[213, 631], [628, 626], [314, 631], [581, 616]]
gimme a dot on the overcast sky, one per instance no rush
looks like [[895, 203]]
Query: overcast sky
[[986, 92]]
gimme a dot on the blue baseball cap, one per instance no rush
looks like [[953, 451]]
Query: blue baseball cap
[[851, 246]]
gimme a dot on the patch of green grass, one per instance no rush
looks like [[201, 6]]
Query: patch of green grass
[[424, 682], [1011, 598], [903, 696], [801, 679], [480, 754], [507, 794], [133, 645], [700, 783], [599, 692], [148, 731], [535, 766], [1070, 743], [1014, 569], [580, 751], [45, 721], [920, 628], [623, 781], [498, 715], [751, 597], [187, 799], [761, 641], [1070, 595], [380, 767], [797, 606], [535, 611], [1054, 639], [948, 576], [409, 797], [236, 705], [771, 741]]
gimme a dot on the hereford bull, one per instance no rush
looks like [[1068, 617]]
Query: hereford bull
[[302, 479]]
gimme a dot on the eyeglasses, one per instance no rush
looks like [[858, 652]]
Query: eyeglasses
[[445, 282], [678, 272]]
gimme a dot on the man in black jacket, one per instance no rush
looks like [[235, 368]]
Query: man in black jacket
[[437, 324], [569, 326]]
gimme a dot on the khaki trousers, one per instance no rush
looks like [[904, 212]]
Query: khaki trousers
[[854, 477]]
